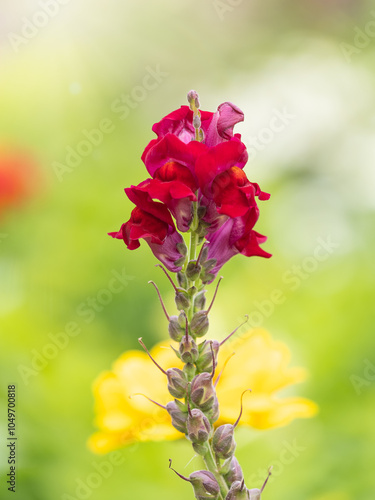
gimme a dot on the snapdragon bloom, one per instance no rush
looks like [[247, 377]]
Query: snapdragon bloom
[[199, 186]]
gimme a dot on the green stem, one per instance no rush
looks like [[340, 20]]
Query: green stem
[[212, 467], [193, 245]]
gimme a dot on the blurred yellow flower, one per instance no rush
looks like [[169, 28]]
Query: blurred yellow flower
[[260, 363]]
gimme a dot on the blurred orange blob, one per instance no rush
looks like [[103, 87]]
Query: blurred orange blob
[[19, 178]]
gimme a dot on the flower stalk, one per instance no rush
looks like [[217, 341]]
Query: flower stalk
[[197, 186]]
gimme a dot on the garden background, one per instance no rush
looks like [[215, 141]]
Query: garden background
[[303, 73]]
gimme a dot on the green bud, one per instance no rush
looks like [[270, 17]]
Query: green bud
[[193, 270], [205, 360], [177, 382], [238, 491], [207, 277], [182, 300], [200, 301], [203, 393], [188, 349], [180, 262], [223, 441], [176, 331], [232, 471], [205, 485], [199, 324], [200, 449], [182, 248], [182, 280], [178, 413], [209, 265]]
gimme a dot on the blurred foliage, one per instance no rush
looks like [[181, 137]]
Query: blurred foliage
[[55, 255]]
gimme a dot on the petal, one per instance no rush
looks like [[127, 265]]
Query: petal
[[170, 148], [142, 200], [267, 413], [223, 121], [180, 124], [217, 160], [173, 171], [168, 252], [261, 364], [104, 442], [122, 420], [233, 193]]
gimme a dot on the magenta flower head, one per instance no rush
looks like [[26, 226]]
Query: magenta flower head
[[197, 185]]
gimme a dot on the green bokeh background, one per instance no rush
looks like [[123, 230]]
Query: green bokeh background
[[263, 56]]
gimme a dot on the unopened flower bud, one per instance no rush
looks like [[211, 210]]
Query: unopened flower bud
[[199, 324], [200, 301], [205, 360], [193, 270], [209, 264], [197, 121], [176, 331], [193, 99], [203, 393], [223, 441], [178, 413], [205, 485], [200, 449], [232, 471], [182, 248], [177, 382], [182, 280], [198, 426], [188, 349], [238, 491], [182, 300]]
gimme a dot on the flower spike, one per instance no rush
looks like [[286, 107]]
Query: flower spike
[[234, 331], [240, 415], [214, 297], [149, 355], [161, 300]]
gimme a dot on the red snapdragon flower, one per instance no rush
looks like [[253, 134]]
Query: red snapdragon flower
[[185, 171], [153, 222]]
